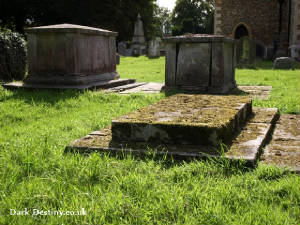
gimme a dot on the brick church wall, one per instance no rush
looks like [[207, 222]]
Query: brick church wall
[[260, 17]]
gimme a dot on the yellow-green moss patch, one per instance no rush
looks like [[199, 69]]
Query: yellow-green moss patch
[[193, 110]]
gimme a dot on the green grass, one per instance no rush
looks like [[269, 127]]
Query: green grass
[[142, 68], [285, 94], [35, 173]]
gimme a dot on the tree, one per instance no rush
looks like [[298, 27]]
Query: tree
[[161, 21], [192, 16], [115, 15]]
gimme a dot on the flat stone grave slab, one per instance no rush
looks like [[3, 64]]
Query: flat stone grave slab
[[259, 92], [185, 119], [284, 148], [126, 87], [246, 145], [147, 88]]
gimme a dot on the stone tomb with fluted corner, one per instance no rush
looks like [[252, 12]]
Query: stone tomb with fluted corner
[[200, 63], [67, 55]]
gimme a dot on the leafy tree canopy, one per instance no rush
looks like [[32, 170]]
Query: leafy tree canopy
[[116, 15], [162, 23], [192, 16]]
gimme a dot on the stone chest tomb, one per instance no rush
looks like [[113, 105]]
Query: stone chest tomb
[[203, 63], [70, 55]]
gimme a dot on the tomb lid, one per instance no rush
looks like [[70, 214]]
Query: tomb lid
[[70, 28], [198, 38]]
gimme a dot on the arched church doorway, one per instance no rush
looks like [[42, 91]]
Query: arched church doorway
[[240, 32]]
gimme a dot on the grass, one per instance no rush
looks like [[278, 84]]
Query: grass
[[142, 68], [35, 173]]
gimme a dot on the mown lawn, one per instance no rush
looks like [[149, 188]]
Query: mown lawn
[[35, 173]]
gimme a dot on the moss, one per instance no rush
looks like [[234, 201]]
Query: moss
[[184, 119], [290, 125], [192, 110], [263, 115]]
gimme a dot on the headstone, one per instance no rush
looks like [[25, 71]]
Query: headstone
[[117, 59], [294, 51], [200, 63], [154, 49], [138, 45], [246, 51], [70, 55], [128, 52], [122, 48], [284, 63]]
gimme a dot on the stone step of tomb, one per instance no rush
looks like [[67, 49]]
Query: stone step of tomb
[[246, 145], [283, 150], [185, 119], [253, 136], [150, 87], [97, 85], [125, 87]]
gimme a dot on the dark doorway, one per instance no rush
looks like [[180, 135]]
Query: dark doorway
[[240, 32]]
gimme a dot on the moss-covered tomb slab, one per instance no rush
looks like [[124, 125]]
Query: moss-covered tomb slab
[[246, 145], [185, 119]]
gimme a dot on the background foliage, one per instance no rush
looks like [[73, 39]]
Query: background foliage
[[116, 15], [188, 16], [193, 16], [12, 56]]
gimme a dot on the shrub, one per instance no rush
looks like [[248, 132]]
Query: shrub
[[12, 56]]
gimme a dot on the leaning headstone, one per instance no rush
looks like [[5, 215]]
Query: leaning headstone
[[122, 48], [154, 49], [246, 51], [284, 63], [70, 55], [200, 63], [138, 45]]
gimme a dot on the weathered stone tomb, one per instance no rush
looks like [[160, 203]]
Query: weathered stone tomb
[[70, 56], [203, 63]]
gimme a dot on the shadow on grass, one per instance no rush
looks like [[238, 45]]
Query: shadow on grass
[[41, 96], [226, 166], [261, 64], [169, 92]]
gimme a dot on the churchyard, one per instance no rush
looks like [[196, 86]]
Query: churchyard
[[188, 128], [37, 173]]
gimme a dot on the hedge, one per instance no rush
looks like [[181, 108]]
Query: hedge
[[12, 56]]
